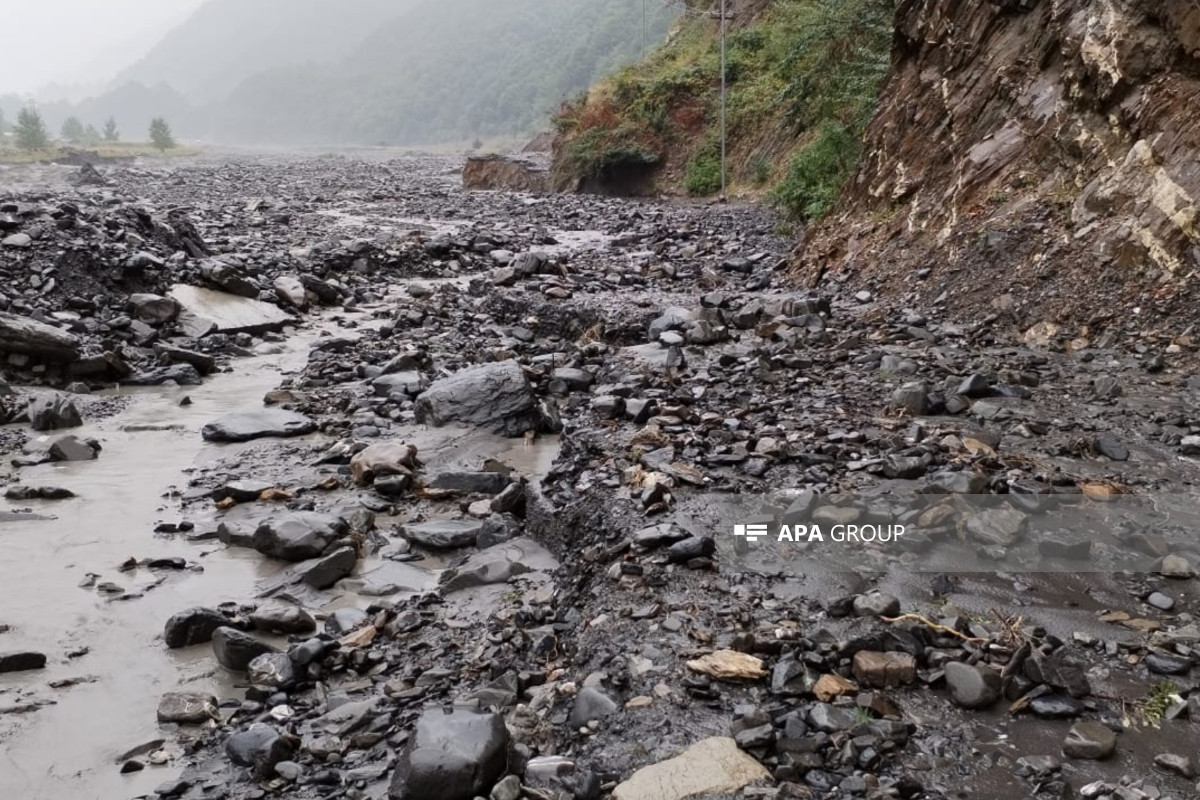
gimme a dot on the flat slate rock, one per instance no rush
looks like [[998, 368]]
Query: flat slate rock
[[243, 426], [32, 338], [205, 311], [496, 397]]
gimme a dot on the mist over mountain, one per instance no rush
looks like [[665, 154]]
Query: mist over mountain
[[226, 41], [399, 72], [444, 71]]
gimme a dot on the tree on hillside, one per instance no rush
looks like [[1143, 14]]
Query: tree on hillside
[[91, 136], [111, 134], [72, 130], [1, 121], [31, 131], [160, 134]]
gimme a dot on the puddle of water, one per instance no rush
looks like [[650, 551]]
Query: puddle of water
[[70, 748]]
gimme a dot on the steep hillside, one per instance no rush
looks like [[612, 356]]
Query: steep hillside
[[226, 41], [802, 77], [1039, 161], [445, 71]]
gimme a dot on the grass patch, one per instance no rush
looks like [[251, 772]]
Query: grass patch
[[1157, 701], [12, 155]]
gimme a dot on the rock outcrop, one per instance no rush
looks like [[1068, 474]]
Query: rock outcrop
[[1046, 148], [525, 173]]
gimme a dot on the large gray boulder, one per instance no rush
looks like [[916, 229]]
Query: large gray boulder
[[243, 426], [50, 411], [193, 626], [204, 311], [235, 650], [153, 309], [496, 397], [444, 534], [228, 278], [452, 755], [25, 336], [299, 536]]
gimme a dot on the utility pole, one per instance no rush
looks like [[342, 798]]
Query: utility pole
[[722, 100], [643, 29]]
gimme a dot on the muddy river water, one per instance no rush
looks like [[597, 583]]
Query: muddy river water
[[104, 645]]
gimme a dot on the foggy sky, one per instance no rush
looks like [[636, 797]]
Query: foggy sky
[[80, 42]]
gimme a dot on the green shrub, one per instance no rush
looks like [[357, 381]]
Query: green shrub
[[837, 54], [817, 172], [760, 170], [704, 173]]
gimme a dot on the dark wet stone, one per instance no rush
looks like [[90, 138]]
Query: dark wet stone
[[1000, 527], [1056, 706], [685, 550], [182, 374], [497, 564], [173, 788], [456, 755], [904, 467], [244, 426], [273, 670], [444, 534], [51, 411], [659, 535], [912, 397], [187, 709], [235, 650], [976, 385], [495, 397], [1090, 740], [497, 529], [71, 448], [246, 491], [21, 661], [830, 719], [193, 626], [1109, 447], [1180, 765], [876, 604], [279, 617], [591, 704], [326, 571], [289, 771], [37, 493], [957, 482], [1163, 664], [471, 482], [1056, 672], [574, 379], [344, 620], [408, 383], [792, 677], [972, 686], [299, 536], [260, 746], [304, 653]]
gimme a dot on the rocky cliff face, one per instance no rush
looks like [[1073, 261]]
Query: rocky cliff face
[[1041, 157]]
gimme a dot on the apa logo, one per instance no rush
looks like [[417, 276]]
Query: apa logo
[[751, 531]]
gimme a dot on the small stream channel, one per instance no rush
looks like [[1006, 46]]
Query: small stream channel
[[70, 741]]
